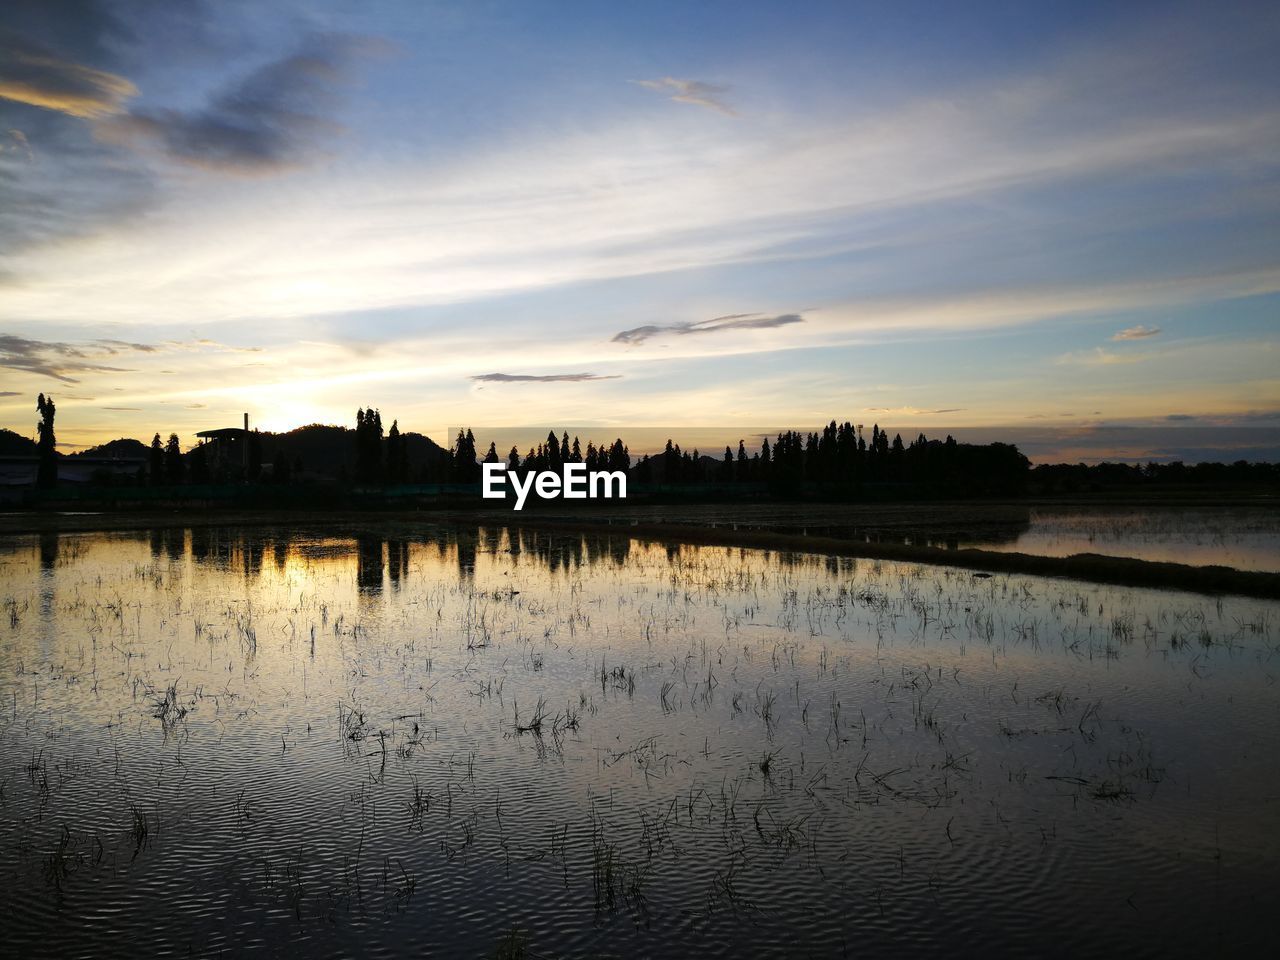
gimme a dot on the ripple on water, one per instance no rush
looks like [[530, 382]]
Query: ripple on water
[[245, 740]]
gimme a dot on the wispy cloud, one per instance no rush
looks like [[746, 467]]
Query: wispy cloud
[[52, 359], [271, 120], [1098, 357], [1140, 332], [913, 411], [15, 141], [542, 378], [32, 75], [734, 321], [120, 346], [204, 343], [696, 92], [60, 360]]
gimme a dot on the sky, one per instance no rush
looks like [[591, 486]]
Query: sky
[[1052, 223]]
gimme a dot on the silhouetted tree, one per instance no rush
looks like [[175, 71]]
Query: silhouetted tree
[[553, 452], [47, 444], [397, 455], [368, 446], [173, 466], [465, 468], [155, 461], [619, 456]]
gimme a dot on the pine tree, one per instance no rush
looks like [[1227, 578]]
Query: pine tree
[[553, 452], [397, 461], [155, 461], [47, 444], [173, 466]]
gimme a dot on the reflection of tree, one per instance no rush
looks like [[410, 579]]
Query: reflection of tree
[[465, 541], [252, 550], [201, 544], [490, 540], [397, 561], [167, 542], [381, 558], [619, 549], [48, 551], [369, 563], [280, 552]]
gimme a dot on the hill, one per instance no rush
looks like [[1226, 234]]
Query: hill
[[16, 445], [122, 449], [331, 451]]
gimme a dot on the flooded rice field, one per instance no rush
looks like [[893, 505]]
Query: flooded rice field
[[1243, 536], [377, 741], [1247, 538]]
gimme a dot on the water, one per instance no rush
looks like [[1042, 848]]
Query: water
[[1245, 536], [381, 741]]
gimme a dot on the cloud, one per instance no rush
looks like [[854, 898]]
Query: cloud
[[203, 343], [1139, 332], [1257, 416], [125, 409], [690, 91], [269, 121], [10, 393], [52, 359], [913, 411], [734, 321], [35, 76], [117, 346], [15, 141], [545, 378], [1179, 417], [1098, 357]]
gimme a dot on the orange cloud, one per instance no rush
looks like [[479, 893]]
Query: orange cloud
[[32, 76]]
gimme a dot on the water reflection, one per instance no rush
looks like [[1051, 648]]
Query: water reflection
[[1245, 536], [631, 748], [369, 565], [49, 543]]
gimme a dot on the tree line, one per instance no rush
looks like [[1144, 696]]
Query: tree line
[[840, 460], [1081, 477], [837, 461]]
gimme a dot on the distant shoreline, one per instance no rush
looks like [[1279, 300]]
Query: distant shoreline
[[1095, 568]]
